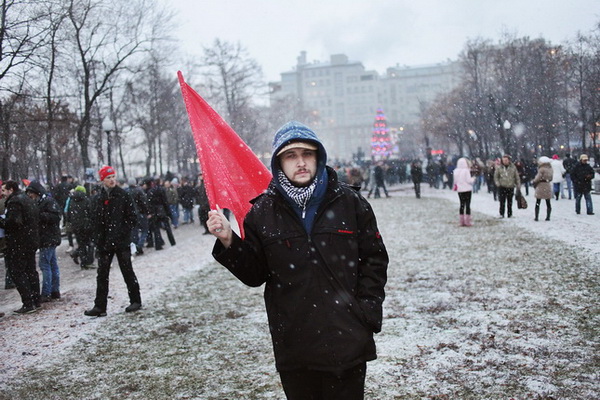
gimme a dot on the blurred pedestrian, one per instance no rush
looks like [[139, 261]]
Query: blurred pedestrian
[[50, 238], [173, 200], [582, 175], [542, 184], [416, 174], [568, 164], [79, 217], [506, 179], [463, 184], [22, 227], [558, 172], [186, 197]]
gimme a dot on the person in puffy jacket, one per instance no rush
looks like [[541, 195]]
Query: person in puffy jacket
[[50, 214], [314, 242], [543, 188], [22, 229], [506, 179], [582, 175], [79, 216], [463, 184]]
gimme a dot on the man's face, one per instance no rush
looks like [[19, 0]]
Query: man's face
[[110, 181], [505, 160], [31, 195], [6, 192], [299, 165]]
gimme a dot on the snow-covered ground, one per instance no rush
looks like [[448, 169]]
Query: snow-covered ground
[[505, 309]]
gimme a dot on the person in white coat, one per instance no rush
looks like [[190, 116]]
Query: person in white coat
[[558, 173], [463, 184]]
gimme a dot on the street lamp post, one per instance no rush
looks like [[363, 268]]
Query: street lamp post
[[108, 129]]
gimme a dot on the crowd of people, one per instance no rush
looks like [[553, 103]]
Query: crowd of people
[[550, 178], [114, 217]]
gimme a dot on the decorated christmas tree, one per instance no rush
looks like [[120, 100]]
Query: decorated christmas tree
[[381, 141]]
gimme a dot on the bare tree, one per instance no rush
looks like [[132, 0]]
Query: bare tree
[[20, 37], [107, 38], [233, 79]]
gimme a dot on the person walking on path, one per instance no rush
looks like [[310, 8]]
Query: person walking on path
[[568, 164], [314, 241], [542, 184], [22, 227], [582, 176], [114, 217], [506, 179], [416, 174], [50, 238], [80, 218], [463, 184], [558, 172]]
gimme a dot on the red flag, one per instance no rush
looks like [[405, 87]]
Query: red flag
[[233, 175]]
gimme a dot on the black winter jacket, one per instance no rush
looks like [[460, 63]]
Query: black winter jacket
[[49, 222], [324, 291], [80, 214], [186, 196], [114, 218], [582, 176], [22, 224]]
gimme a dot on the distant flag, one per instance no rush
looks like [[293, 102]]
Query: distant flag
[[233, 175]]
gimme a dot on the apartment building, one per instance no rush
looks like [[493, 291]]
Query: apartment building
[[343, 97]]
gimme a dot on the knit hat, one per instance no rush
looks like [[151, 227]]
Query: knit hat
[[36, 187], [583, 157], [80, 189], [297, 145], [175, 181], [555, 157], [105, 171]]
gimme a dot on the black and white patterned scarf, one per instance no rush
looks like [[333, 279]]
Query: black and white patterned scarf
[[300, 195]]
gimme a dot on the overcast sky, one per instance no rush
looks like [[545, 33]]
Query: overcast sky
[[378, 33]]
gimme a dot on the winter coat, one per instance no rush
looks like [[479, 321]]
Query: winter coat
[[324, 289], [22, 224], [462, 176], [114, 217], [172, 196], [140, 200], [568, 164], [157, 202], [558, 170], [507, 176], [79, 214], [202, 197], [416, 172], [582, 176], [50, 214], [324, 292], [61, 192], [543, 179], [186, 196]]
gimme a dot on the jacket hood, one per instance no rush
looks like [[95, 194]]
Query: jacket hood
[[36, 187], [544, 160], [462, 163], [294, 131]]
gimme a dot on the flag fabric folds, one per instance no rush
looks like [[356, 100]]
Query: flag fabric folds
[[233, 175]]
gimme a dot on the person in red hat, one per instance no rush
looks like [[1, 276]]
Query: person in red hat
[[114, 218]]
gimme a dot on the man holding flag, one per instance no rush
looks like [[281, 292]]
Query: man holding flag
[[314, 242]]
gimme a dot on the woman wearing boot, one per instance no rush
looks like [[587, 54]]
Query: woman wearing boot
[[543, 186], [463, 184]]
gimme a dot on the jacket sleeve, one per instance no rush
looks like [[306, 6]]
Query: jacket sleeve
[[50, 213], [372, 269], [244, 258]]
